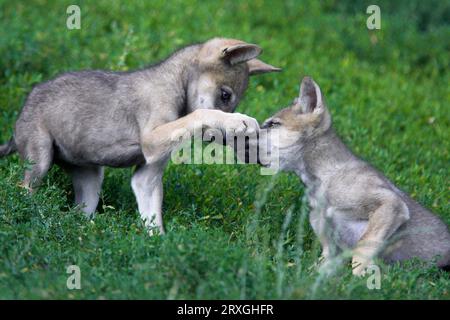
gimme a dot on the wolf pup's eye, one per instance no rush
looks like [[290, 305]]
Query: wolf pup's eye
[[225, 95], [272, 124]]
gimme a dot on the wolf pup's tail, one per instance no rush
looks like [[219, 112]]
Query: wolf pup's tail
[[444, 262], [8, 148]]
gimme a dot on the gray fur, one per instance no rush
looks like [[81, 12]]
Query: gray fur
[[89, 119], [353, 205]]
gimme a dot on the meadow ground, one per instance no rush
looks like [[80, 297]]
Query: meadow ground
[[231, 233]]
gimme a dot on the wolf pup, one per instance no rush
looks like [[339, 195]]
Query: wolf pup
[[353, 206], [86, 120]]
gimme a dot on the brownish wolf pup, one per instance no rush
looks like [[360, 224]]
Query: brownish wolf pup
[[353, 206]]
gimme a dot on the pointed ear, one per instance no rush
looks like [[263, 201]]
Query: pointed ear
[[239, 53], [310, 97], [256, 66]]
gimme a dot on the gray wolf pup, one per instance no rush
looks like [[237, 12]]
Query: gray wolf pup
[[353, 206], [86, 120]]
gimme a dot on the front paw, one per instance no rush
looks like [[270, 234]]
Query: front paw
[[323, 260], [359, 266], [153, 229], [239, 124]]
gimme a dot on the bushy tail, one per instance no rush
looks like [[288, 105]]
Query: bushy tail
[[8, 148], [444, 262]]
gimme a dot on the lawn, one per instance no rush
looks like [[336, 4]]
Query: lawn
[[231, 232]]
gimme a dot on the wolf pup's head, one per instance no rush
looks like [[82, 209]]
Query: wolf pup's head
[[306, 119], [219, 75]]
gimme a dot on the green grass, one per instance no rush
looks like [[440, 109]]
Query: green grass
[[232, 233]]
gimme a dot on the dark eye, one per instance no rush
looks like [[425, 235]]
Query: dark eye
[[271, 124], [225, 95]]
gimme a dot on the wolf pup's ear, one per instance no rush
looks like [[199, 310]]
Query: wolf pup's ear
[[310, 97], [256, 66], [240, 53]]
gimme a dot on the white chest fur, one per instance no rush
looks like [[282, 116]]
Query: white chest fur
[[339, 227], [348, 230]]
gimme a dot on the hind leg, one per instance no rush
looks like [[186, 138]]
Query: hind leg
[[40, 155], [87, 184]]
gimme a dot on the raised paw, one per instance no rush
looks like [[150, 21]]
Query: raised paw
[[239, 124]]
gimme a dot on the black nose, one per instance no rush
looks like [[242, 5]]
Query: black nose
[[248, 147]]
